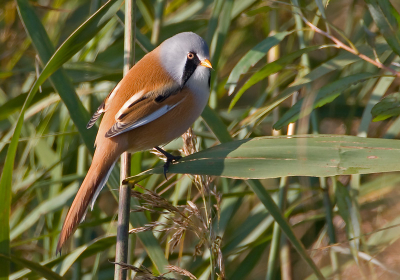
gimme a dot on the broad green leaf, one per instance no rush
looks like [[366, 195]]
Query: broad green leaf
[[388, 107], [308, 155], [34, 266], [385, 17], [325, 95], [252, 57]]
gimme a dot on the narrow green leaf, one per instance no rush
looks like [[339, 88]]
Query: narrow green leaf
[[273, 209], [252, 57], [343, 201], [387, 107], [220, 34], [5, 206], [84, 251], [245, 267], [269, 69], [152, 245], [34, 266], [381, 238], [48, 206], [73, 44], [213, 21], [378, 91], [341, 60], [321, 8], [260, 10], [216, 125], [385, 17], [64, 262], [347, 211], [325, 95]]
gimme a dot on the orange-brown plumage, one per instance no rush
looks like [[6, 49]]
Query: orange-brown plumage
[[149, 107]]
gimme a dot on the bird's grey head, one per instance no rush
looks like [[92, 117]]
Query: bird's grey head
[[185, 57]]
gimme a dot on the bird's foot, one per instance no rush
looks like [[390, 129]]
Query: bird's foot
[[170, 159]]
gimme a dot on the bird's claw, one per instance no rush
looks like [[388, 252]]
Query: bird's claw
[[170, 159]]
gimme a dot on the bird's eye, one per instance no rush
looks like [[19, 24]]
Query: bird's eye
[[190, 55]]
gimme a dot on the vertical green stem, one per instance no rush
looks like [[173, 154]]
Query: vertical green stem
[[158, 13], [331, 228], [276, 235], [286, 265], [121, 255]]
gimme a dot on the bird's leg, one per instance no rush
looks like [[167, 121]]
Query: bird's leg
[[170, 159]]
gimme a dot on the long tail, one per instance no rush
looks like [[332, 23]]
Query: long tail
[[102, 164]]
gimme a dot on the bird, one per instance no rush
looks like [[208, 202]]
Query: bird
[[156, 102]]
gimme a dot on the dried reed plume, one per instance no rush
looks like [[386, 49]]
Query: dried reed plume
[[145, 274], [187, 217]]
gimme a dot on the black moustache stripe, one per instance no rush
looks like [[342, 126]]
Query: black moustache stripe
[[190, 67]]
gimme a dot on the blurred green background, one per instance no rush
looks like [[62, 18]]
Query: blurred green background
[[284, 67]]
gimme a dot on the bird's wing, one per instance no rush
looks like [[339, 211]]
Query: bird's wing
[[103, 107], [146, 107]]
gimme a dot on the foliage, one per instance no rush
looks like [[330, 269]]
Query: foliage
[[290, 67]]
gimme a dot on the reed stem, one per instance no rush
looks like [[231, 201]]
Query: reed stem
[[121, 254]]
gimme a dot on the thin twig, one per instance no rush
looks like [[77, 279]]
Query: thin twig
[[340, 45]]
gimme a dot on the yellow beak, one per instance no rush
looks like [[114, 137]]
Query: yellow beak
[[206, 63]]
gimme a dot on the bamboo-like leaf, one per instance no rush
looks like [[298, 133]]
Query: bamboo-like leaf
[[309, 155], [387, 107], [270, 69], [321, 8], [73, 44], [65, 52], [325, 95], [252, 57], [341, 60], [378, 91], [386, 18]]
